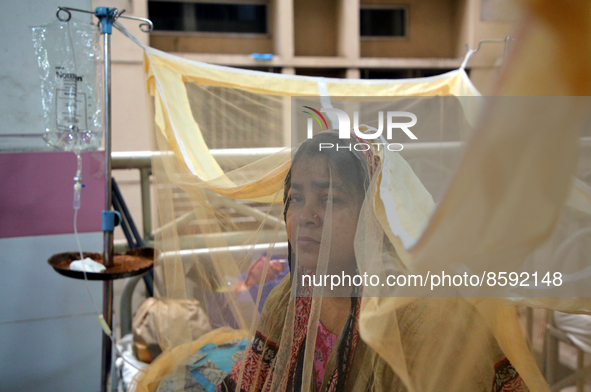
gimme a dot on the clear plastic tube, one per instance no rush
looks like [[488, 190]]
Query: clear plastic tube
[[77, 195], [108, 331], [78, 181]]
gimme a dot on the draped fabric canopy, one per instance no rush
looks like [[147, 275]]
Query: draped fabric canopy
[[493, 192]]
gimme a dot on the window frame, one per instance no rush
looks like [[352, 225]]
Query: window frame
[[404, 7], [219, 34]]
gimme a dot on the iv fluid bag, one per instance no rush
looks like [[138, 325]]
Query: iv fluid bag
[[69, 59]]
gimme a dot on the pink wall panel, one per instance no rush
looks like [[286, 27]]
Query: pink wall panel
[[37, 190]]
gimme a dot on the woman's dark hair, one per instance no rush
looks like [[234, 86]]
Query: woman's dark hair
[[350, 166]]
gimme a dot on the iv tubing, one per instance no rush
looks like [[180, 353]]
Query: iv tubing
[[100, 317]]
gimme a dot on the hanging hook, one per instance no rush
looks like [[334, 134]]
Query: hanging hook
[[470, 52], [67, 11], [62, 9], [487, 41], [146, 26]]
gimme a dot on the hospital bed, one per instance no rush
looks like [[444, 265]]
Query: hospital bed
[[561, 331]]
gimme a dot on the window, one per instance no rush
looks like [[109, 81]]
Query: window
[[400, 73], [236, 17], [382, 21]]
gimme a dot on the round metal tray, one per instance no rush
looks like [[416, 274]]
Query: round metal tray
[[131, 263]]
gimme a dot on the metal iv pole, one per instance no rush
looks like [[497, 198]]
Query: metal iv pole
[[110, 218]]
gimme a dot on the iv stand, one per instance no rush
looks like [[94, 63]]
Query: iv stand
[[470, 52], [107, 16]]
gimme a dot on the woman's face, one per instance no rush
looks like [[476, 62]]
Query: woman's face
[[309, 198]]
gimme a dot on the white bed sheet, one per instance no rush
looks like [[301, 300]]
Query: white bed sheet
[[128, 368], [577, 327]]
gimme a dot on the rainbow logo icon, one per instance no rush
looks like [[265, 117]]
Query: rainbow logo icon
[[315, 116]]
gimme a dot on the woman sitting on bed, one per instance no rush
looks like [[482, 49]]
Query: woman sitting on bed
[[341, 361]]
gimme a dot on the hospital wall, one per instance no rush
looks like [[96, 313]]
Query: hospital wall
[[50, 339], [49, 336]]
